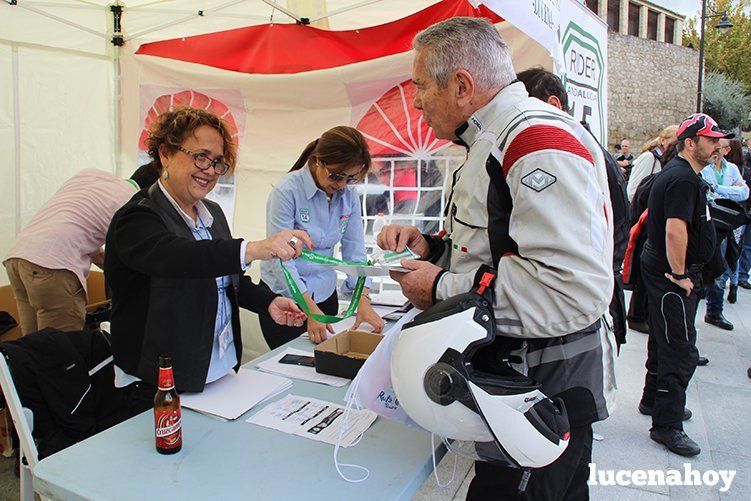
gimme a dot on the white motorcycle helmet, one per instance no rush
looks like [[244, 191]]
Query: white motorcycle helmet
[[448, 379]]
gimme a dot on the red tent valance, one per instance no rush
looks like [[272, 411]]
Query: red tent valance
[[290, 48]]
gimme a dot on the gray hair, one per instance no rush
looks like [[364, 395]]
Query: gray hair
[[469, 43]]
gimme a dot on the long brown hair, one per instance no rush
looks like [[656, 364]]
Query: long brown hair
[[339, 149], [736, 153]]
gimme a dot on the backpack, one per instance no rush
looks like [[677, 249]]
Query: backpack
[[637, 234]]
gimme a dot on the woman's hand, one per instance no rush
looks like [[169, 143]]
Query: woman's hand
[[366, 313], [284, 311], [317, 331], [285, 245]]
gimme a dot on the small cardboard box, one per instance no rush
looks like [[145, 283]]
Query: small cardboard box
[[343, 355]]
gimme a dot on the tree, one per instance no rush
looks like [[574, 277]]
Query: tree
[[726, 53], [726, 101]]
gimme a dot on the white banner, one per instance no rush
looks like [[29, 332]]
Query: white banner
[[584, 43], [538, 19]]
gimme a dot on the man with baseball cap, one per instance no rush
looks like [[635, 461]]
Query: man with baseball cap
[[680, 239]]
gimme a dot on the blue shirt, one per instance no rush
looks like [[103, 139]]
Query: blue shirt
[[727, 182], [296, 202]]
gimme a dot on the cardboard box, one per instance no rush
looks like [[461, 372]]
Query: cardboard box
[[343, 355]]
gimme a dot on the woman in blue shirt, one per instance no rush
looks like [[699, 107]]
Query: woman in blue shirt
[[315, 196]]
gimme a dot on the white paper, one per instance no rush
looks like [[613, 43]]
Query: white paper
[[273, 366], [368, 271], [314, 419], [389, 298], [232, 395]]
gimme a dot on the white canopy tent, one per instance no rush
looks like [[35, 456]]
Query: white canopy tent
[[65, 105]]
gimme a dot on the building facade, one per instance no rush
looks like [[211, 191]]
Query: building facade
[[641, 19], [652, 78]]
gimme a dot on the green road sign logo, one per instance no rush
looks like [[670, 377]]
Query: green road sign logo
[[583, 78]]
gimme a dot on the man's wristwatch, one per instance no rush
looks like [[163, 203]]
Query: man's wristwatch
[[678, 276]]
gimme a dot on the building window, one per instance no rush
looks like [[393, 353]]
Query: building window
[[614, 16], [633, 19], [669, 29], [652, 25], [593, 5]]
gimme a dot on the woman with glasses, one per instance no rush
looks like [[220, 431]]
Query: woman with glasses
[[174, 270], [315, 196]]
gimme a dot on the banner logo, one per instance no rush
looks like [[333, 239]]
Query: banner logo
[[583, 78]]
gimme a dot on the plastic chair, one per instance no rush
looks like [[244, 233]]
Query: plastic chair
[[24, 422]]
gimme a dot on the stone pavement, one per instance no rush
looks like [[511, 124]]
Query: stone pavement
[[719, 396]]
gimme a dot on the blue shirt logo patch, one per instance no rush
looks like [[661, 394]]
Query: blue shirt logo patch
[[305, 215]]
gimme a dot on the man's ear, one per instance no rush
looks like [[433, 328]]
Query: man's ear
[[464, 87], [554, 101]]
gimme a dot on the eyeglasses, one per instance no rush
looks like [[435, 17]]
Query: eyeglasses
[[203, 162], [342, 177], [337, 178]]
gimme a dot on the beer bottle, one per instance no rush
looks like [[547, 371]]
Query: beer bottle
[[167, 417]]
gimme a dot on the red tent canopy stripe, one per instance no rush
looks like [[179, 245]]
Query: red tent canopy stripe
[[271, 49], [194, 99], [393, 126]]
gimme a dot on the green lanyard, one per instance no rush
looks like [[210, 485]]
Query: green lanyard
[[300, 300], [720, 176]]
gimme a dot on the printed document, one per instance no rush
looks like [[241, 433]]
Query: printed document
[[314, 419]]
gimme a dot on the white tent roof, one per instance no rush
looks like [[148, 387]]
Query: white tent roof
[[87, 25]]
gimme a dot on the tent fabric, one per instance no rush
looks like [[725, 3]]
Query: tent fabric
[[275, 49], [86, 25], [392, 126]]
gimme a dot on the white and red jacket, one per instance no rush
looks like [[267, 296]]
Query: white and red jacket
[[532, 201]]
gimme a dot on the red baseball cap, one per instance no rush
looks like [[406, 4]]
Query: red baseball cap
[[700, 124]]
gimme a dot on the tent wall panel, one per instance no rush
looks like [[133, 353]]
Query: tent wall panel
[[8, 157], [66, 120]]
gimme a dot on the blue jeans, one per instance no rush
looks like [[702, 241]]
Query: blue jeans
[[716, 291], [744, 261]]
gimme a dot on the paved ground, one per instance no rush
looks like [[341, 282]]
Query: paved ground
[[719, 396]]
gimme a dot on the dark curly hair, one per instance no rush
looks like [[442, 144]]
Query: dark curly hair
[[171, 128]]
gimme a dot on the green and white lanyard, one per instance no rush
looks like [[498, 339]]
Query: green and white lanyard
[[300, 300], [720, 176]]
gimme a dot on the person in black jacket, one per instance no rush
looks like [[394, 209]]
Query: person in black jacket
[[546, 86], [174, 270]]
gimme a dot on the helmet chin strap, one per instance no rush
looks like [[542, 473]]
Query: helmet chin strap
[[352, 397], [435, 468]]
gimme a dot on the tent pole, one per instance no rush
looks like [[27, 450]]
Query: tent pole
[[285, 11], [183, 19], [116, 114], [64, 21], [17, 136]]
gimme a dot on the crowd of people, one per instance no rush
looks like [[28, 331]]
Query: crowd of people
[[176, 274]]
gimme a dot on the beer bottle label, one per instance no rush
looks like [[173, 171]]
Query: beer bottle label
[[166, 379], [168, 428]]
